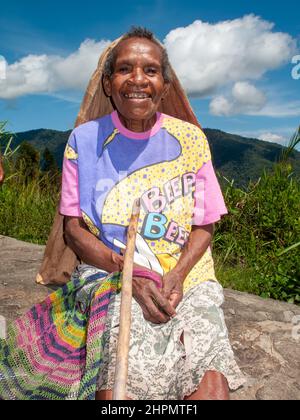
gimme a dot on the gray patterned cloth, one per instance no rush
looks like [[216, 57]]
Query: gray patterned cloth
[[161, 367]]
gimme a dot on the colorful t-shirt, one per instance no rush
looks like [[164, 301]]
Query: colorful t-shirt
[[169, 168]]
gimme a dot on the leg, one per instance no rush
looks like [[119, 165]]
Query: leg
[[105, 395], [213, 386]]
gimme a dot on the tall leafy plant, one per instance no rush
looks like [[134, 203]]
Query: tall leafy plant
[[7, 152], [260, 239]]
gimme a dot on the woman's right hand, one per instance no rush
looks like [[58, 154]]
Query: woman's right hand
[[156, 308]]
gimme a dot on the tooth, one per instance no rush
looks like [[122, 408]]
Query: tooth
[[136, 95]]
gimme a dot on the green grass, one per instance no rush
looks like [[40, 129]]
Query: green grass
[[238, 278], [28, 196], [27, 210], [257, 246]]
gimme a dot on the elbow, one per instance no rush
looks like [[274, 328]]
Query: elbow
[[68, 238], [70, 231]]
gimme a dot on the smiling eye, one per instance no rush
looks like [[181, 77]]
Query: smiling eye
[[150, 70], [123, 69]]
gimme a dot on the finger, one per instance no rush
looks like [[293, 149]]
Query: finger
[[164, 304], [156, 314], [150, 310], [175, 299], [147, 315], [153, 320], [166, 290]]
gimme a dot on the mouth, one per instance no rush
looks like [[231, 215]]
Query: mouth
[[137, 95]]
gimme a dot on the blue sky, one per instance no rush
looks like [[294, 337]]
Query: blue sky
[[238, 77]]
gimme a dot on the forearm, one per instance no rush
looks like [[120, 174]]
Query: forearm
[[199, 240], [89, 248]]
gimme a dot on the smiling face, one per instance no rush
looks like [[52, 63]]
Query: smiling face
[[137, 84]]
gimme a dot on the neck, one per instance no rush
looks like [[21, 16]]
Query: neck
[[138, 126]]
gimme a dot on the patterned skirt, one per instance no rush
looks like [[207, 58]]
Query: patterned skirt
[[161, 366], [65, 347]]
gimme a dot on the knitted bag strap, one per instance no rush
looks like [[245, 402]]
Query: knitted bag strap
[[151, 275]]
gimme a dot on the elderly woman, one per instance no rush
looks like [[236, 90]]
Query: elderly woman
[[179, 345]]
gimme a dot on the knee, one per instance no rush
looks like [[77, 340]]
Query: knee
[[217, 385]]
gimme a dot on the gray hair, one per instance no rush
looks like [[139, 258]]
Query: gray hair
[[139, 32]]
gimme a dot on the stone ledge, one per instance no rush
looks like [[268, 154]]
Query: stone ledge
[[264, 333]]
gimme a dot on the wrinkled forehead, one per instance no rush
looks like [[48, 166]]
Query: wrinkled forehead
[[138, 46]]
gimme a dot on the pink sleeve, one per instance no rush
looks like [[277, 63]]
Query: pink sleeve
[[209, 202], [69, 203]]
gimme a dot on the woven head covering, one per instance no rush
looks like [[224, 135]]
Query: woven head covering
[[59, 260]]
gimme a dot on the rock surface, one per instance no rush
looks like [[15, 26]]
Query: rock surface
[[265, 334]]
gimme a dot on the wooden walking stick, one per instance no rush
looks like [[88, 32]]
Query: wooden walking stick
[[121, 373]]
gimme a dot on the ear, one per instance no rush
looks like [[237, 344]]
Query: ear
[[107, 85]]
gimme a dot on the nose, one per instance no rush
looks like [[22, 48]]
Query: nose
[[138, 77]]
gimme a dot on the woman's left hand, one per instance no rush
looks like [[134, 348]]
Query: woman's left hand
[[173, 288]]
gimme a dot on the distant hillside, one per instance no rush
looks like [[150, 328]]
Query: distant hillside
[[235, 157], [54, 140], [242, 158]]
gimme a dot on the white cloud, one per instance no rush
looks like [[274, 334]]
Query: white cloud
[[209, 56], [220, 106], [273, 138], [283, 140], [74, 71], [3, 65], [279, 110], [47, 74], [244, 98], [246, 94], [280, 135]]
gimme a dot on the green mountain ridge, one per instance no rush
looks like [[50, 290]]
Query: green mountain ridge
[[234, 157]]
